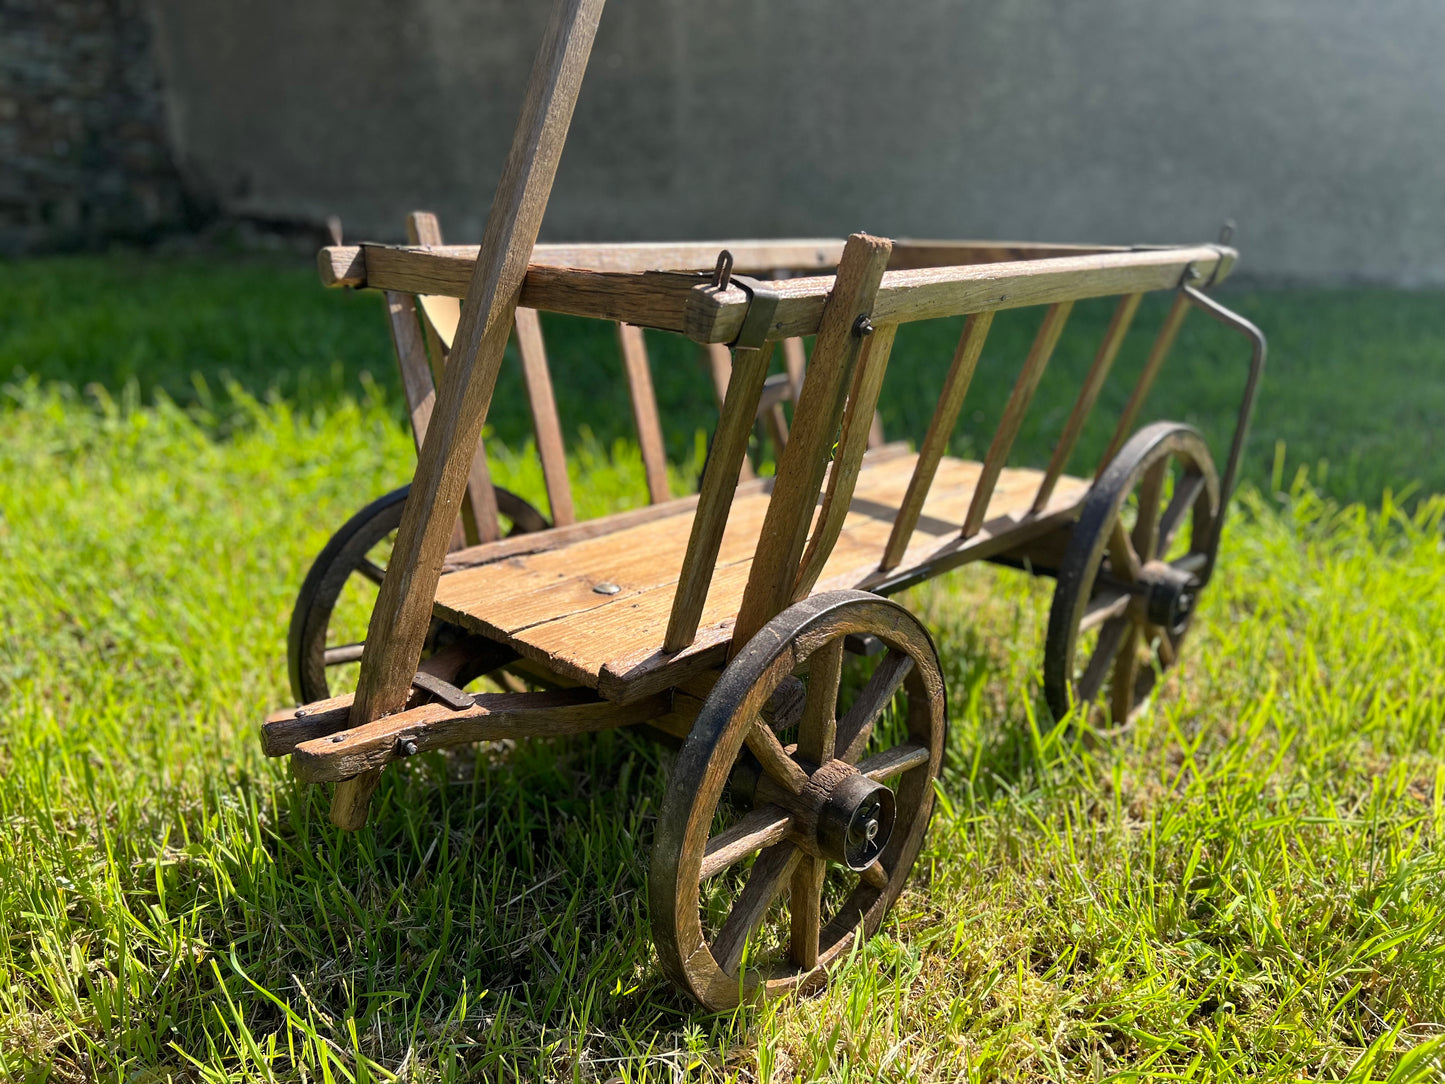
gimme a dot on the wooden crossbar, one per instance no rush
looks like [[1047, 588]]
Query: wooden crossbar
[[1103, 361], [1157, 353], [1013, 414], [935, 441]]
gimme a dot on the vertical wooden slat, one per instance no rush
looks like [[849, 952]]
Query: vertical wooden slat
[[644, 410], [795, 360], [1157, 353], [715, 495], [1013, 413], [800, 472], [852, 444], [403, 608], [940, 431], [416, 377], [479, 503], [720, 365], [1093, 382], [537, 379]]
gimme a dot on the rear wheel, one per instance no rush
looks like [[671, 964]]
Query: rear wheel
[[339, 590], [1140, 554]]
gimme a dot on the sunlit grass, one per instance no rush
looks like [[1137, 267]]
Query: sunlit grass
[[1245, 885]]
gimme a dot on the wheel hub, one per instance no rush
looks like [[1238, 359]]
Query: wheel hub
[[1169, 595], [851, 817]]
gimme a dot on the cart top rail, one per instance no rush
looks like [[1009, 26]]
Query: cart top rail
[[915, 287]]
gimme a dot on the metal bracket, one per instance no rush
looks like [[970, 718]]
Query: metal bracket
[[444, 691], [762, 303]]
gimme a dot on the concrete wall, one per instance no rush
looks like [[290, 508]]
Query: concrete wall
[[1319, 125], [84, 147]]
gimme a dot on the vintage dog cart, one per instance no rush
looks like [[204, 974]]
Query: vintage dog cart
[[724, 618]]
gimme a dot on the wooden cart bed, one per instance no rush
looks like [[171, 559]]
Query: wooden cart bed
[[544, 603]]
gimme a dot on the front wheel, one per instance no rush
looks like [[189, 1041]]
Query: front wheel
[[826, 806]]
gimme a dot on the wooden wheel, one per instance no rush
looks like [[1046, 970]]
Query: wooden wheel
[[835, 820], [358, 553], [1138, 557]]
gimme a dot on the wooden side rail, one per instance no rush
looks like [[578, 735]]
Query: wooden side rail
[[345, 265], [689, 305]]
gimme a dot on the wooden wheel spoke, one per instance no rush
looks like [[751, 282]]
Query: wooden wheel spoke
[[1151, 495], [1105, 606], [1111, 638], [371, 570], [774, 758], [875, 875], [1185, 494], [1123, 559], [856, 726], [757, 829], [895, 761], [1126, 670], [805, 908], [765, 881], [1162, 643], [343, 653], [818, 731]]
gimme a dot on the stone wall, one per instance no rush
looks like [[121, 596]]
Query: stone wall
[[84, 148]]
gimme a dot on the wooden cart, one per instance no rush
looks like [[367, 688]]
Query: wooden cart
[[725, 618]]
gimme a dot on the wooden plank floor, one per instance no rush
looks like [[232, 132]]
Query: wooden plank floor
[[546, 604]]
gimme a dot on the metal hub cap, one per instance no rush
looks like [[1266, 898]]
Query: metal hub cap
[[855, 821]]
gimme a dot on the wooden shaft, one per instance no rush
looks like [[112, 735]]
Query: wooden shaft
[[774, 569], [1157, 353], [644, 411], [715, 496], [1013, 414], [795, 359], [404, 604], [935, 441], [479, 505], [854, 442], [1093, 382], [537, 379]]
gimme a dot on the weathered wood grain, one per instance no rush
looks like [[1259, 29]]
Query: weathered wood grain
[[644, 411]]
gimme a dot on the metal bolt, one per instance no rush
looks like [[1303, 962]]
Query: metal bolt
[[301, 713], [606, 589], [406, 747], [863, 327]]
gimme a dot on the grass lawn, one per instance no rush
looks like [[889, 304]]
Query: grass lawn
[[1245, 885]]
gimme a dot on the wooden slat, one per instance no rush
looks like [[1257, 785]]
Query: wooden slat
[[416, 377], [1157, 353], [537, 379], [910, 253], [795, 359], [852, 445], [715, 498], [644, 410], [1014, 411], [815, 421], [677, 302], [479, 504], [940, 432], [720, 366], [1093, 382], [403, 608]]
